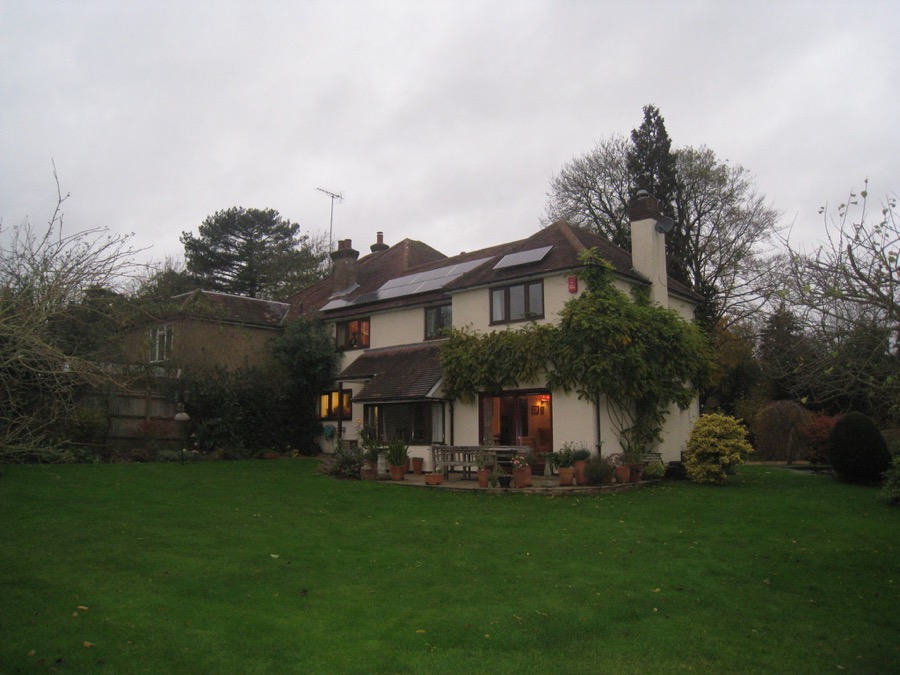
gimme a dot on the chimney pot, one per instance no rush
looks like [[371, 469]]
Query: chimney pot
[[379, 244]]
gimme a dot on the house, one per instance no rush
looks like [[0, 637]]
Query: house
[[388, 308], [197, 331], [206, 329]]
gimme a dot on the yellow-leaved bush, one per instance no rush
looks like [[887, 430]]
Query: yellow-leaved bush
[[717, 443]]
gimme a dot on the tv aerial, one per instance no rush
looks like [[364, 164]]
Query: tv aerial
[[340, 197]]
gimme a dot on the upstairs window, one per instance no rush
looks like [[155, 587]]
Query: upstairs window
[[438, 320], [335, 405], [160, 344], [353, 334], [522, 302]]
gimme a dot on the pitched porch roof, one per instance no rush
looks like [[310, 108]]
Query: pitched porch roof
[[396, 373]]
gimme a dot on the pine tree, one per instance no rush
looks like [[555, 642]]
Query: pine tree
[[653, 167], [252, 252]]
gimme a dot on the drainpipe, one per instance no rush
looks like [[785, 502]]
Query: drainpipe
[[451, 423]]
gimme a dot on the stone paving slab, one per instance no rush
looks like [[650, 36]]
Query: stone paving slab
[[543, 485]]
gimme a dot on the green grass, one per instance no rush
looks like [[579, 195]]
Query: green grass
[[268, 567]]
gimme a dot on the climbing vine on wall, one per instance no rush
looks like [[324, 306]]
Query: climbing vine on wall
[[488, 362]]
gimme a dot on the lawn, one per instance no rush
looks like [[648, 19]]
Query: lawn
[[268, 567]]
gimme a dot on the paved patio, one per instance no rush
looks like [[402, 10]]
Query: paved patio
[[545, 485]]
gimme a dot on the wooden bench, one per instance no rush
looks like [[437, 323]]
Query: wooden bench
[[448, 458]]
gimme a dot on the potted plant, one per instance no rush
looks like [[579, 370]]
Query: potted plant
[[600, 470], [397, 456], [622, 470], [521, 470], [417, 464], [481, 463], [580, 457], [654, 471], [434, 478], [633, 457], [562, 461], [499, 477]]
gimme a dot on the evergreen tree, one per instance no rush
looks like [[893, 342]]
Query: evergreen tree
[[652, 165], [252, 252]]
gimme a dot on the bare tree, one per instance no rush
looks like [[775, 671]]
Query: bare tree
[[726, 226], [43, 274], [592, 191], [731, 232], [846, 295]]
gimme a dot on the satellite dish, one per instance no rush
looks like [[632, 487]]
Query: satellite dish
[[665, 225]]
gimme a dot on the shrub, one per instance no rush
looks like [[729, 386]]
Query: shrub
[[779, 430], [717, 443], [654, 470], [817, 429], [347, 461], [600, 470], [890, 491], [857, 450], [246, 411]]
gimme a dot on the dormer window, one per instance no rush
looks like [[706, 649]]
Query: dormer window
[[520, 302], [353, 334]]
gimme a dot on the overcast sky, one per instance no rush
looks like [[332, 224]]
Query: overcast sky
[[438, 121]]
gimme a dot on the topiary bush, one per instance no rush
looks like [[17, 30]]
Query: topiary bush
[[857, 450], [717, 443]]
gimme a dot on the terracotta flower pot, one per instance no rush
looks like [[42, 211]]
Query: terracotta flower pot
[[581, 472], [623, 474], [434, 478], [417, 463], [566, 475], [484, 476], [522, 477], [397, 472], [635, 471]]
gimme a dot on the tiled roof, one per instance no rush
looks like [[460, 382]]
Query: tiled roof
[[396, 373], [373, 271], [232, 308]]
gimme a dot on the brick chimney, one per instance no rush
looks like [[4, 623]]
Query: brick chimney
[[344, 271], [379, 245], [648, 244]]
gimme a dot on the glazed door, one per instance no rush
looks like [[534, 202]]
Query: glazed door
[[517, 418]]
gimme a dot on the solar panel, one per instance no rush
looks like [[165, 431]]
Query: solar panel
[[523, 258], [411, 284]]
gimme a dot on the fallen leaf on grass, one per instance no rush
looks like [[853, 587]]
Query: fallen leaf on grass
[[31, 653], [274, 555], [420, 631], [83, 608], [87, 645]]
